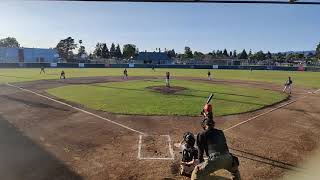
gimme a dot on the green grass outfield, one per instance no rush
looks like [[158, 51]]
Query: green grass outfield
[[305, 79], [133, 97]]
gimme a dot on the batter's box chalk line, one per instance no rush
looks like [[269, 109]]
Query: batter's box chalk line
[[141, 134], [170, 149]]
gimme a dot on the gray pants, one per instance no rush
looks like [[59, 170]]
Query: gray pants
[[167, 82], [216, 162]]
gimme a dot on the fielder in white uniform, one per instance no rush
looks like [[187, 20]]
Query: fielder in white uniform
[[288, 86]]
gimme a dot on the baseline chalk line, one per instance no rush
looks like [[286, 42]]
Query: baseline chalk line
[[269, 111], [255, 117], [316, 91], [84, 111]]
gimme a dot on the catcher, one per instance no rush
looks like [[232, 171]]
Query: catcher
[[189, 154]]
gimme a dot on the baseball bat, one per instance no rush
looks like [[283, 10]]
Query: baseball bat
[[210, 97]]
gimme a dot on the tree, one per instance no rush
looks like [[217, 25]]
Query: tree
[[81, 51], [104, 51], [113, 50], [250, 54], [300, 56], [171, 53], [187, 52], [225, 53], [243, 55], [198, 55], [219, 53], [279, 57], [118, 53], [90, 56], [65, 47], [230, 54], [318, 51], [269, 55], [9, 42], [259, 56], [98, 50], [234, 53], [129, 50], [214, 53]]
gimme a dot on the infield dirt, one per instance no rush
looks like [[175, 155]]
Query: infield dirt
[[60, 142]]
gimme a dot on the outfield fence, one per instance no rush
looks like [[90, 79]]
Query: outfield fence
[[181, 66]]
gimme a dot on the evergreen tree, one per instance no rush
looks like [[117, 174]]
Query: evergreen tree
[[118, 52], [104, 51], [269, 55], [98, 50], [225, 53], [113, 50], [318, 51], [243, 55]]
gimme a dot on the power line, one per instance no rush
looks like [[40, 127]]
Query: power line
[[211, 1]]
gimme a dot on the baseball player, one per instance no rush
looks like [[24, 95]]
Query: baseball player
[[42, 70], [288, 85], [209, 75], [62, 75], [189, 155], [125, 74], [213, 142], [168, 79]]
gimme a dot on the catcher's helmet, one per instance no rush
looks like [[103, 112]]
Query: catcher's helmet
[[189, 139]]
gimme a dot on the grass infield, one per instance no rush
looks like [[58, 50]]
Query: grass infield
[[303, 79], [134, 97]]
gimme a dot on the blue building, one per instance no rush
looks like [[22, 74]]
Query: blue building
[[28, 55], [153, 58]]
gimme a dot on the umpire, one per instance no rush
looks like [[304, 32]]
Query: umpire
[[213, 142]]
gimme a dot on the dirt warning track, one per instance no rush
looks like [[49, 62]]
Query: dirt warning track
[[91, 147]]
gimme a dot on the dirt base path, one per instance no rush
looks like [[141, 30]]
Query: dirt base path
[[97, 149]]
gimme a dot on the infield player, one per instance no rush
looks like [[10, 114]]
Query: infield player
[[42, 70], [125, 74], [168, 79], [62, 75], [209, 75], [288, 85]]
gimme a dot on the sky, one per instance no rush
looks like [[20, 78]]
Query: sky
[[203, 27]]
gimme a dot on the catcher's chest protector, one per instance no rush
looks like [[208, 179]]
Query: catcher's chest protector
[[188, 154]]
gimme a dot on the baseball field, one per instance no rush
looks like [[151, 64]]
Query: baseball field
[[97, 125]]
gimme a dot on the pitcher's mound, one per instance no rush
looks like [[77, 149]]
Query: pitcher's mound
[[167, 90]]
